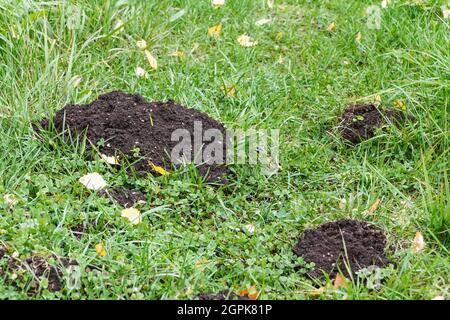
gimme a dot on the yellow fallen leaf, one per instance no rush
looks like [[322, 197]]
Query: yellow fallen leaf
[[342, 204], [377, 99], [10, 199], [400, 104], [331, 26], [229, 90], [243, 293], [158, 169], [177, 53], [100, 250], [110, 159], [374, 206], [246, 41], [214, 31], [141, 44], [151, 59], [140, 72], [93, 181], [358, 37], [418, 243], [339, 282], [132, 214], [218, 3], [201, 263], [280, 35], [270, 3]]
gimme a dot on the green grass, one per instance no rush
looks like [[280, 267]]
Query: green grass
[[302, 95]]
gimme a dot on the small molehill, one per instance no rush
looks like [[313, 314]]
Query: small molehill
[[126, 126], [339, 245], [359, 123]]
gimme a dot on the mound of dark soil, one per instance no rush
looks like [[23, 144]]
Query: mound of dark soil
[[337, 245], [358, 123], [125, 197], [125, 125]]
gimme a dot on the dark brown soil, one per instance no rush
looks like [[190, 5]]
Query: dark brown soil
[[126, 198], [139, 130], [42, 269], [359, 123], [2, 251], [78, 230], [337, 245]]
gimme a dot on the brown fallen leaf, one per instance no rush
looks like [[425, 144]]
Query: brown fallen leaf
[[339, 282], [374, 206]]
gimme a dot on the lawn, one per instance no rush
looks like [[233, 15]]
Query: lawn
[[310, 62]]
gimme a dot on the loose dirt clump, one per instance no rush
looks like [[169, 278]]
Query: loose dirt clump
[[339, 245], [126, 126], [126, 198], [358, 123]]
